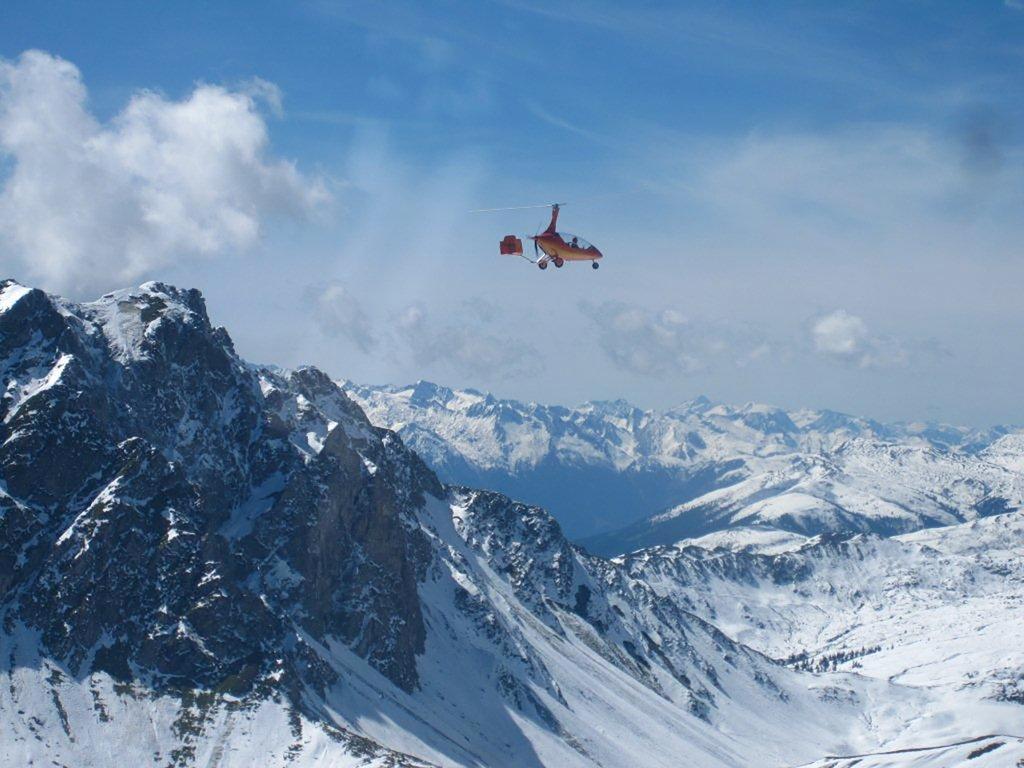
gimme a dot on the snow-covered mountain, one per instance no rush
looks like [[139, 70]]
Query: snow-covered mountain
[[704, 467], [203, 562], [938, 607]]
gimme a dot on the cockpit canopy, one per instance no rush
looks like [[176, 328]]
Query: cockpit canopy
[[575, 241]]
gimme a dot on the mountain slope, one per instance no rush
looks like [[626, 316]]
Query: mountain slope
[[862, 485], [204, 562], [994, 751], [938, 609]]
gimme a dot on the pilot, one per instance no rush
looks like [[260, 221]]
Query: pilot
[[575, 242]]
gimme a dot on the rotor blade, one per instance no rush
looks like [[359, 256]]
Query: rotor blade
[[517, 208]]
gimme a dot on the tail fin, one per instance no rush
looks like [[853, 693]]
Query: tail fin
[[554, 220]]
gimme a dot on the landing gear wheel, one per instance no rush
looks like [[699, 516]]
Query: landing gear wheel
[[559, 261], [542, 264], [594, 265]]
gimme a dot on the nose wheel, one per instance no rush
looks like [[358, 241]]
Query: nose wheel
[[594, 265]]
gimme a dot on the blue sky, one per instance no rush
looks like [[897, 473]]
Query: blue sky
[[802, 203]]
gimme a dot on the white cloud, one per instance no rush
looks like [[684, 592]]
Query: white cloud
[[339, 314], [464, 339], [846, 337], [659, 343], [89, 205], [839, 333], [466, 345]]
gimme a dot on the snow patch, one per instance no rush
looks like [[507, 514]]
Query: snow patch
[[11, 295]]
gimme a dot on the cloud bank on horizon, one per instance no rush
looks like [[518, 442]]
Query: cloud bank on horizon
[[802, 213]]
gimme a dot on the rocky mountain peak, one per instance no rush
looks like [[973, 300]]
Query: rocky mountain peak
[[428, 393], [147, 472]]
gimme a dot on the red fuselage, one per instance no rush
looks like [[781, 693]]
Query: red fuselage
[[557, 245]]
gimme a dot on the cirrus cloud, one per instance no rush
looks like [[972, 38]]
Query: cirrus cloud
[[86, 204]]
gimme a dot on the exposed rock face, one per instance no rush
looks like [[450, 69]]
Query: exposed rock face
[[162, 503]]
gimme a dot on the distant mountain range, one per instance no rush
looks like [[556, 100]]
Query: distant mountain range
[[620, 478], [209, 563]]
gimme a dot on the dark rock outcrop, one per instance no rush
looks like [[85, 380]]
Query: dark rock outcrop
[[162, 504]]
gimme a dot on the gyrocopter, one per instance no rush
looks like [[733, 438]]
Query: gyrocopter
[[549, 246]]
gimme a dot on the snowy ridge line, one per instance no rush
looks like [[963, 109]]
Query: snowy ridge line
[[910, 750], [620, 478]]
